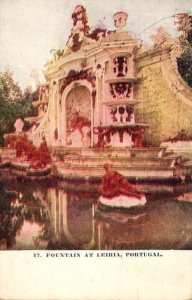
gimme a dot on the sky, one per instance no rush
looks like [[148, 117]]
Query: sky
[[29, 29]]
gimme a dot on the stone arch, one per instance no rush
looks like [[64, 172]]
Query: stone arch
[[76, 114]]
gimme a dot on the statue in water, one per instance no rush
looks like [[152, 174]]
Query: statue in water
[[115, 184]]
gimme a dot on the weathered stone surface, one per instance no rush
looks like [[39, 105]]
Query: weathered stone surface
[[165, 99]]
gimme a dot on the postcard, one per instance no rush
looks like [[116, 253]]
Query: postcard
[[95, 150]]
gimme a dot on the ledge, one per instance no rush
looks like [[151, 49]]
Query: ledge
[[118, 101], [121, 79]]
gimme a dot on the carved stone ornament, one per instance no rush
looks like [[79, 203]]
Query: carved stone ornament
[[80, 20], [129, 111], [75, 75], [113, 113], [120, 19], [125, 113], [120, 66], [161, 37], [121, 112], [99, 70], [120, 89]]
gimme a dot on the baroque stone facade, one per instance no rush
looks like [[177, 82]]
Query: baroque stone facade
[[106, 89]]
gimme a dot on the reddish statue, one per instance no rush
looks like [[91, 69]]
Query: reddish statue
[[100, 133], [137, 137], [21, 146], [114, 184], [78, 122], [39, 157]]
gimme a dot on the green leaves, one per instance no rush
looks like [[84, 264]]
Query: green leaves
[[13, 104], [10, 90], [185, 65], [185, 60]]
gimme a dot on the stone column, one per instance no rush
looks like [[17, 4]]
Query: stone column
[[93, 102], [53, 113], [58, 117]]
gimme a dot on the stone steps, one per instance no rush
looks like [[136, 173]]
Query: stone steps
[[145, 163], [137, 171], [7, 151], [121, 161], [7, 155], [109, 152]]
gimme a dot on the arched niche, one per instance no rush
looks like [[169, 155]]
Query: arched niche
[[78, 116]]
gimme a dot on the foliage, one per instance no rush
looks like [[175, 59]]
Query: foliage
[[13, 104], [185, 60], [10, 90], [185, 65]]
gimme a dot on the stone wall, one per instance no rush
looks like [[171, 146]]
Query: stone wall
[[165, 100]]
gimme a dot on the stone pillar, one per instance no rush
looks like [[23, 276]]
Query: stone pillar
[[63, 121], [93, 103], [53, 114]]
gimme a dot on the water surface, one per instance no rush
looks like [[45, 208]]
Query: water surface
[[46, 216]]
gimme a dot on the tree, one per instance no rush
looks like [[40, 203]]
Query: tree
[[184, 62], [13, 104], [10, 90]]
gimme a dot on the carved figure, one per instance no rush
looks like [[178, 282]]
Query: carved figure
[[39, 157], [42, 156], [120, 19], [137, 137], [78, 122], [114, 184], [100, 133]]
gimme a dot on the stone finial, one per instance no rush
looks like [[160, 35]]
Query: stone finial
[[120, 20], [19, 125], [80, 20], [162, 38], [80, 30]]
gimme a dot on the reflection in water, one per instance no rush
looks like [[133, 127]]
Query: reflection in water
[[164, 225], [72, 218], [23, 220], [43, 217], [28, 235]]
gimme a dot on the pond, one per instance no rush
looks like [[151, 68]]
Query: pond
[[66, 216]]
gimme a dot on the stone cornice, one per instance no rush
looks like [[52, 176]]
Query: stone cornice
[[86, 52], [152, 55]]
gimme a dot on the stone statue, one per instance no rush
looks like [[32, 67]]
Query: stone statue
[[115, 184], [120, 20], [19, 125]]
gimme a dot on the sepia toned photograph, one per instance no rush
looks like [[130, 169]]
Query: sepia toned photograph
[[95, 125]]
